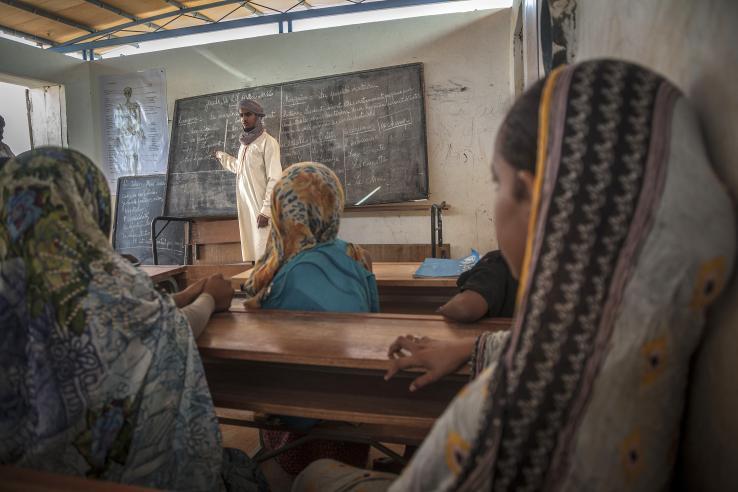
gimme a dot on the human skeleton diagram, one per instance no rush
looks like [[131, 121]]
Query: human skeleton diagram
[[129, 120]]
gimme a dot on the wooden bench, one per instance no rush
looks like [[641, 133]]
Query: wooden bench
[[328, 366], [15, 479]]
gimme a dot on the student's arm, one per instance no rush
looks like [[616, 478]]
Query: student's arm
[[273, 166], [441, 358], [485, 291], [188, 295], [466, 307], [438, 358], [215, 294], [198, 313], [228, 162]]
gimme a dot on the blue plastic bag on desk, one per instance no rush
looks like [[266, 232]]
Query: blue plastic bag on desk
[[442, 267]]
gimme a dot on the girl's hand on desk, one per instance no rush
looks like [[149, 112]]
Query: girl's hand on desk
[[438, 358], [188, 295], [221, 291]]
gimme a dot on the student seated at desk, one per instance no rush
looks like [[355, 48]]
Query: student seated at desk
[[609, 213], [99, 373], [487, 290], [307, 268]]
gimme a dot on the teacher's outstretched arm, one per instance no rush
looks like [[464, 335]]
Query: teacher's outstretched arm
[[226, 160]]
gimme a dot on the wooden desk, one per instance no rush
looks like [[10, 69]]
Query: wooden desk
[[185, 275], [173, 275], [327, 366], [163, 272], [14, 479], [399, 291], [400, 274]]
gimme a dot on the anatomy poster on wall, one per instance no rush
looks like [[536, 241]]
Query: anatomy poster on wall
[[135, 130]]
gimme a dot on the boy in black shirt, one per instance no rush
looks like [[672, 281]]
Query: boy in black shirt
[[487, 290]]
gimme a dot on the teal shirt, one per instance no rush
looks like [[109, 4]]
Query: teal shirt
[[323, 278]]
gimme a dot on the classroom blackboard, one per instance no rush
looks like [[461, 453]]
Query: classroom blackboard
[[368, 126], [140, 199]]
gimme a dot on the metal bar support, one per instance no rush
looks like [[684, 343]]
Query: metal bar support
[[437, 227], [118, 12], [30, 37], [76, 44], [155, 235]]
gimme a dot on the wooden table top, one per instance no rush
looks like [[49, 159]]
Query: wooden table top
[[24, 480], [341, 340], [400, 274], [160, 272], [388, 274]]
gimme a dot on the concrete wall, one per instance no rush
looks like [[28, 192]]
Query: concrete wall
[[32, 67], [466, 67], [695, 45]]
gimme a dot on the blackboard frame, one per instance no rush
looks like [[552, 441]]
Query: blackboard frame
[[424, 143], [117, 206]]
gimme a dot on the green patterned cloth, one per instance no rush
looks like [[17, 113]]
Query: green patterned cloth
[[99, 373]]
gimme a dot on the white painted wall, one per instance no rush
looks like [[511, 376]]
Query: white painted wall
[[34, 67], [695, 44], [13, 110], [466, 66]]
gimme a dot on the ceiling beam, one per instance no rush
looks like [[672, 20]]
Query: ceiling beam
[[252, 9], [119, 12], [25, 35], [75, 45], [180, 6], [49, 15], [32, 9], [153, 18]]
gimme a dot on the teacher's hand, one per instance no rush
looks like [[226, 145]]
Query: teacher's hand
[[437, 358], [262, 221]]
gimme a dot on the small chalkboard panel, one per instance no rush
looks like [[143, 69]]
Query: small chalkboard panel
[[140, 199], [369, 127]]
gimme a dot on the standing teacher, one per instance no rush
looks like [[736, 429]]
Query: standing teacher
[[257, 168]]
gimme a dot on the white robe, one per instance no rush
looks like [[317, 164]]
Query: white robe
[[257, 169]]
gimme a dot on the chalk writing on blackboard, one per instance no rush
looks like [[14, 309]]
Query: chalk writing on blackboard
[[140, 199], [369, 127]]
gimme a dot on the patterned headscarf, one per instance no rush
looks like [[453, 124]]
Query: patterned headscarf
[[631, 236], [249, 136], [307, 203], [99, 373]]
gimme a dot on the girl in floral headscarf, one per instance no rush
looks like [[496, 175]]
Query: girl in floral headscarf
[[307, 268]]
